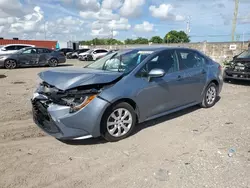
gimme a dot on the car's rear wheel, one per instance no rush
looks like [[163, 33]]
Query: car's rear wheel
[[118, 122], [210, 96], [10, 64], [53, 62]]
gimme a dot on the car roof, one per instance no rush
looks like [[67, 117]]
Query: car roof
[[150, 48], [19, 44]]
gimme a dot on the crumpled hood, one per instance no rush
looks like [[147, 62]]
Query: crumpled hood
[[68, 78]]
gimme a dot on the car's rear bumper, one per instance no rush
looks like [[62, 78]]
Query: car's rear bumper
[[237, 75], [62, 60], [59, 123]]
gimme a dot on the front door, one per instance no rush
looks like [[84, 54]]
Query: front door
[[29, 57], [159, 94], [192, 74]]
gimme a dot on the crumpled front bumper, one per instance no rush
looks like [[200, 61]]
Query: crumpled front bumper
[[57, 121], [237, 75]]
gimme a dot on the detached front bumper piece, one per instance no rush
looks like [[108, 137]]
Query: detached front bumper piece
[[237, 75], [57, 121]]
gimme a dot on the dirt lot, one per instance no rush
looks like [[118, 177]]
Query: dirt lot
[[185, 149]]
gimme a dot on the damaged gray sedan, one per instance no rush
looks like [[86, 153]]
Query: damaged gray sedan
[[108, 97]]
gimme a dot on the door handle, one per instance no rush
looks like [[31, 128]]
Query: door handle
[[203, 72]]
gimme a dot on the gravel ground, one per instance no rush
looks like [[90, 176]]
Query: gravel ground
[[184, 149]]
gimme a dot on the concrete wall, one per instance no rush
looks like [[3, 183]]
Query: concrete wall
[[219, 51]]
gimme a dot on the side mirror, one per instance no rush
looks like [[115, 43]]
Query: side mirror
[[156, 73], [94, 52], [3, 49]]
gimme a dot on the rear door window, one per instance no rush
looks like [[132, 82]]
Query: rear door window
[[189, 59], [11, 48]]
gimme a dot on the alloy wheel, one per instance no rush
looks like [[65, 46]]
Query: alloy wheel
[[119, 122], [53, 63], [211, 95], [10, 64]]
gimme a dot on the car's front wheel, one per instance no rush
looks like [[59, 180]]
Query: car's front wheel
[[210, 96], [118, 122]]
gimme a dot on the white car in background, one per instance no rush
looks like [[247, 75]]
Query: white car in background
[[11, 48], [92, 55]]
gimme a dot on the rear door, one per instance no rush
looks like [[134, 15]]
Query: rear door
[[43, 55], [192, 75], [29, 57]]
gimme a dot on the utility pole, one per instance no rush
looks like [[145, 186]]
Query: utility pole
[[235, 18], [112, 33], [188, 25]]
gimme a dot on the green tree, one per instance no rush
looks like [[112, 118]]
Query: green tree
[[141, 40], [176, 37], [129, 41], [97, 41], [156, 40]]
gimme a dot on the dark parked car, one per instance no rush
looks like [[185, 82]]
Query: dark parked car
[[65, 50], [108, 97], [32, 57], [238, 68]]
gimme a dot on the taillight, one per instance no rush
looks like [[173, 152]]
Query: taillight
[[220, 67]]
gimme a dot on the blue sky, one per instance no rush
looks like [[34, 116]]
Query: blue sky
[[85, 19]]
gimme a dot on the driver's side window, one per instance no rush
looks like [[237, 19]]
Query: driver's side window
[[165, 60]]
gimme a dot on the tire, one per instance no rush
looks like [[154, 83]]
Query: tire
[[210, 96], [10, 64], [89, 58], [115, 131], [53, 62]]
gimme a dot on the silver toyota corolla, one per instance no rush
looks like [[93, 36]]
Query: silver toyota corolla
[[108, 97]]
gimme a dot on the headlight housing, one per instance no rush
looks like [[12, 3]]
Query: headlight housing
[[78, 102]]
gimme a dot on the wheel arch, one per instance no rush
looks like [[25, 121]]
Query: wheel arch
[[52, 57], [11, 59], [215, 81], [127, 100]]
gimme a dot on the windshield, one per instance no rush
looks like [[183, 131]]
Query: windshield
[[245, 54], [120, 61]]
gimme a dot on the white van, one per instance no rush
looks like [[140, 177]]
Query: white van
[[11, 48]]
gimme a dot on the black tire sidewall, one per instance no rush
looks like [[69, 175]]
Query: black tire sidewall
[[204, 103], [104, 132]]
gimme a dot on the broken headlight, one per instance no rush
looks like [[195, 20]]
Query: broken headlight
[[78, 102]]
